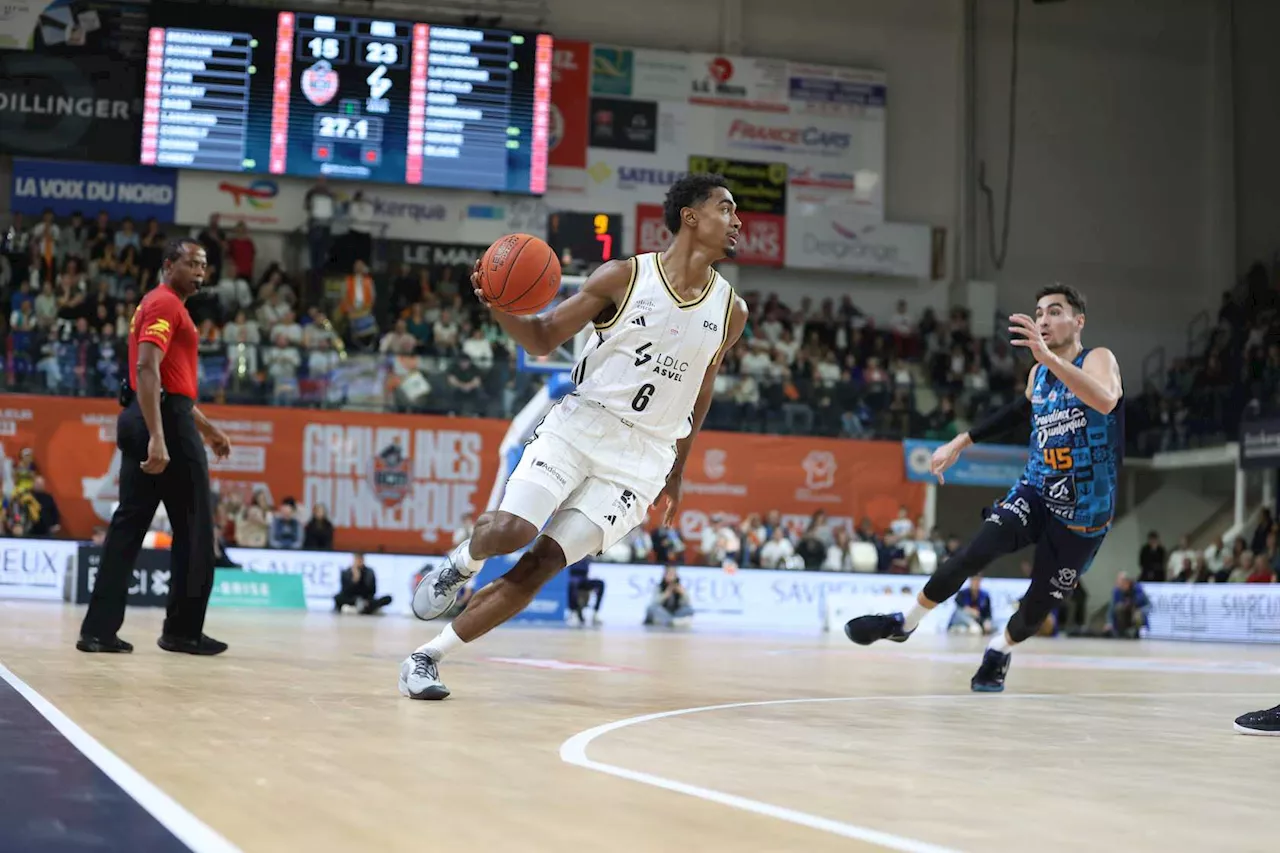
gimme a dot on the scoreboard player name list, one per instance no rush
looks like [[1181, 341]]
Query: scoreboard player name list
[[460, 99], [197, 99]]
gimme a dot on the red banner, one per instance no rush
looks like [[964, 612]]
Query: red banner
[[741, 473], [762, 242], [402, 483], [570, 101]]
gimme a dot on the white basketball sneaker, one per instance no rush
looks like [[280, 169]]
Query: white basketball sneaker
[[420, 678], [438, 589]]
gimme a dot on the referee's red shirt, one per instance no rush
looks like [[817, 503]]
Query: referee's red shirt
[[162, 319]]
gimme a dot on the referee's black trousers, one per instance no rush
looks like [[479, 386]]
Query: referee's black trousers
[[184, 488]]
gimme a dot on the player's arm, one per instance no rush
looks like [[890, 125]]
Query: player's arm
[[737, 322], [541, 334], [1096, 382], [994, 425]]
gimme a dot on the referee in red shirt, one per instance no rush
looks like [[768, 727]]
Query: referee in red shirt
[[161, 435]]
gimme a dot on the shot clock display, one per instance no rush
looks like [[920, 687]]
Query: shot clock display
[[375, 99], [591, 238]]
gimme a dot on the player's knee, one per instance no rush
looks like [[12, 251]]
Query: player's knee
[[504, 534], [545, 561]]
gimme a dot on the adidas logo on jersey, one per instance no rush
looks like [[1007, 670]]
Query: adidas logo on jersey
[[639, 321], [612, 519]]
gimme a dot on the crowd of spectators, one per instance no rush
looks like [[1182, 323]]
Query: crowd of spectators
[[1246, 559], [412, 337]]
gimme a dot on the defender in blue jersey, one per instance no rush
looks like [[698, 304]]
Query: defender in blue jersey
[[1065, 500]]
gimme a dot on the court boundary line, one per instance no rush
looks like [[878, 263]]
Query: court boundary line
[[574, 751], [186, 827]]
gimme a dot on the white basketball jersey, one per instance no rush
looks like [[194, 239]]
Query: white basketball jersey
[[646, 364]]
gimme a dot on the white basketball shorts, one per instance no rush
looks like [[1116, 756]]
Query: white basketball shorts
[[592, 461]]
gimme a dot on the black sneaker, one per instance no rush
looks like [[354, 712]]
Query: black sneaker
[[113, 645], [205, 645], [1265, 723], [865, 630], [990, 676]]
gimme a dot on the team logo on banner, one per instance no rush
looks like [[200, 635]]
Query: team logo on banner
[[320, 83], [391, 480]]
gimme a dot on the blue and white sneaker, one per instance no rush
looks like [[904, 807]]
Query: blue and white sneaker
[[990, 675], [420, 678], [865, 630], [438, 589]]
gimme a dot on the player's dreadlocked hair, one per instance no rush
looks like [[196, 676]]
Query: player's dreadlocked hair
[[690, 191]]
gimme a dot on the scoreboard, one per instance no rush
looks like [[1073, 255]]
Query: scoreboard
[[352, 97]]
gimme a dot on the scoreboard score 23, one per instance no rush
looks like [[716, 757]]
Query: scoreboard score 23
[[303, 94]]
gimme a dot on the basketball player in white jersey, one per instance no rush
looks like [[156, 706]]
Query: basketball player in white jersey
[[616, 444]]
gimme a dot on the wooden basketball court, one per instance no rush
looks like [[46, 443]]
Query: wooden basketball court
[[623, 740]]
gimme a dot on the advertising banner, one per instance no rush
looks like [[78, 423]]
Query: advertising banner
[[740, 473], [150, 585], [830, 90], [738, 82], [35, 568], [403, 483], [390, 482], [761, 243], [647, 75], [781, 600], [396, 576], [67, 187], [78, 107], [624, 125], [997, 465], [847, 239], [760, 191], [83, 26], [403, 213], [1260, 443], [1240, 613], [570, 92]]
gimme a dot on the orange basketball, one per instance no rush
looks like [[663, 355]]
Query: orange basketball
[[519, 274]]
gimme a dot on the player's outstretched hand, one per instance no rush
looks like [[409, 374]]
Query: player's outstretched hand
[[475, 285], [945, 456]]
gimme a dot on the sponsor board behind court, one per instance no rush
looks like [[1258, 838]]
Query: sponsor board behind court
[[401, 483]]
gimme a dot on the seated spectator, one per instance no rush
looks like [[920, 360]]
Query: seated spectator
[[670, 606], [839, 552], [778, 552], [468, 387], [478, 348], [254, 522], [286, 530], [580, 589], [359, 589], [973, 609], [445, 334], [398, 341], [1129, 609], [1181, 561], [318, 534], [1262, 571]]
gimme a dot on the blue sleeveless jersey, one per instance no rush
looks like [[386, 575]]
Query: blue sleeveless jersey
[[1076, 454]]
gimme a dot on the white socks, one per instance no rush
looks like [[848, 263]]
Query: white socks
[[442, 645], [473, 565], [913, 617], [1000, 643]]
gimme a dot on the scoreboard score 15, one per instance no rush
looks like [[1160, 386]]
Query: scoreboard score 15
[[591, 238]]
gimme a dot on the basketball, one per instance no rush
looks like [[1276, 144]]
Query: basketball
[[520, 274]]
